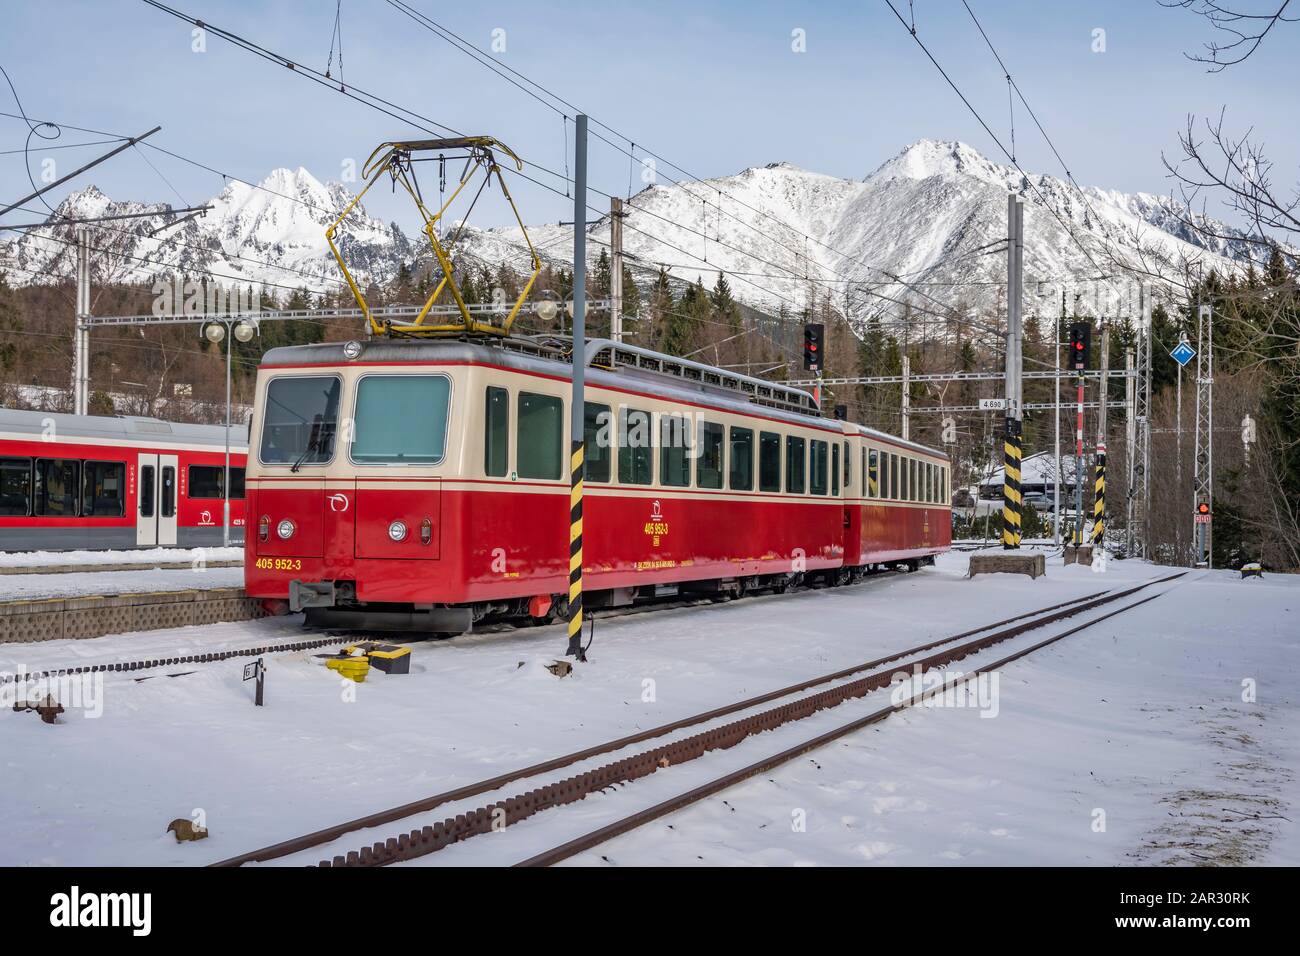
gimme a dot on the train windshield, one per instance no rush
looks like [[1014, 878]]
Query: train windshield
[[301, 420], [401, 419]]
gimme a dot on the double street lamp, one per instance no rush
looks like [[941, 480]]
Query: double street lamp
[[214, 332]]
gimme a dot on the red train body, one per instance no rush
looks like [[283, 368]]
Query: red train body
[[425, 483], [98, 482]]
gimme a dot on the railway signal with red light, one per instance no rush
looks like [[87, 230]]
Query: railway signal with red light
[[1080, 343], [813, 335]]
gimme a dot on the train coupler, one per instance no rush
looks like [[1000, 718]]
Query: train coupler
[[305, 594]]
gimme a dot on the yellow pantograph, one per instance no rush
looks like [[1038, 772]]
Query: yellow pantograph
[[480, 156]]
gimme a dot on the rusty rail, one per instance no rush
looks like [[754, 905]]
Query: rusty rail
[[627, 824]]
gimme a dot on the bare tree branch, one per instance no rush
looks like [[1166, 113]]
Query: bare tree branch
[[1245, 30]]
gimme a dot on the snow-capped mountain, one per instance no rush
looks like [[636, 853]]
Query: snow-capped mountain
[[935, 216], [272, 234], [928, 226]]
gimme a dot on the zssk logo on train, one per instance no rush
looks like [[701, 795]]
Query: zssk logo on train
[[338, 503]]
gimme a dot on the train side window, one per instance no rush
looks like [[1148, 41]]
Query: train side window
[[893, 476], [146, 491], [708, 472], [206, 481], [904, 488], [742, 459], [598, 436], [496, 432], [929, 483], [103, 490], [817, 468], [794, 465], [848, 468], [168, 506], [57, 483], [835, 470], [912, 479], [15, 487], [539, 433], [873, 467], [635, 450], [674, 455], [769, 461]]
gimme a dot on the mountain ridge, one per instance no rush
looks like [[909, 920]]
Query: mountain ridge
[[787, 237]]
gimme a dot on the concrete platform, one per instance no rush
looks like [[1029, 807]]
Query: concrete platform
[[1032, 563], [52, 619]]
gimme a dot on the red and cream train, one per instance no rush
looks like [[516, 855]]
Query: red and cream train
[[424, 483], [99, 482]]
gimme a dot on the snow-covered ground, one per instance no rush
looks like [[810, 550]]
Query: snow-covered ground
[[49, 559], [1141, 717], [63, 584]]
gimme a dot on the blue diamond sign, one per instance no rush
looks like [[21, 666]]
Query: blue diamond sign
[[1183, 353]]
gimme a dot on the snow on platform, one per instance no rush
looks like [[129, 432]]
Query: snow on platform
[[15, 587], [1141, 717], [163, 556]]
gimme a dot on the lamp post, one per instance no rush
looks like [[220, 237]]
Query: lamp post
[[214, 332]]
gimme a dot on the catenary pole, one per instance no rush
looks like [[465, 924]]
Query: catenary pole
[[577, 417]]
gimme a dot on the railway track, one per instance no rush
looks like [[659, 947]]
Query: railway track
[[419, 842], [208, 657]]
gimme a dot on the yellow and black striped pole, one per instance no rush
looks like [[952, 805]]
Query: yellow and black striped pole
[[1099, 500], [1011, 501], [575, 549], [577, 394]]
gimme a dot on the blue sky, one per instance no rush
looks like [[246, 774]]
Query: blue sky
[[713, 86]]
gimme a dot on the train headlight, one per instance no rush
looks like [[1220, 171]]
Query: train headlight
[[397, 530], [285, 529], [352, 350]]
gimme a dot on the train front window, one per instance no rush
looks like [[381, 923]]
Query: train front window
[[401, 419], [301, 420], [15, 486]]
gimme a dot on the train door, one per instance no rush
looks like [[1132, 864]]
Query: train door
[[146, 504], [155, 512], [167, 503]]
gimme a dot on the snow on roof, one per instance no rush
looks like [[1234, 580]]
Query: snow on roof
[[1039, 469]]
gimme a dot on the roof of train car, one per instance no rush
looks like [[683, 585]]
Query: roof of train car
[[444, 350], [146, 431]]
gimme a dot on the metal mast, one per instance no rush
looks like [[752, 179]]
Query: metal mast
[[1203, 460]]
